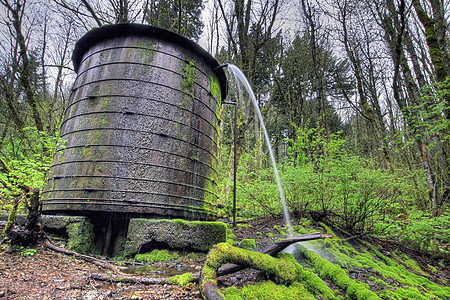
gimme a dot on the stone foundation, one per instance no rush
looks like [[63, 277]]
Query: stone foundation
[[129, 237]]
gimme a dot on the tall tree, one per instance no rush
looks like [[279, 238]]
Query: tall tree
[[15, 10], [183, 17]]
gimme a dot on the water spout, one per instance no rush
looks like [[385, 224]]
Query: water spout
[[242, 81]]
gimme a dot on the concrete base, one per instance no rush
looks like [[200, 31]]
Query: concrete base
[[87, 235], [145, 235]]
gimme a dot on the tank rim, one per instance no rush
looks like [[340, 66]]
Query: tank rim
[[107, 32]]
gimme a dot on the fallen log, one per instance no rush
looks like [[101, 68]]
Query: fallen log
[[274, 249], [240, 259]]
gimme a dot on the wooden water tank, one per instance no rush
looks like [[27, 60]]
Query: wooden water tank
[[141, 127]]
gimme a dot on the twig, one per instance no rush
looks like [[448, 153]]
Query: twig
[[87, 258]]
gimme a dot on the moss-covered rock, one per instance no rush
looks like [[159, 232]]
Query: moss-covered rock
[[156, 255], [81, 237], [182, 279]]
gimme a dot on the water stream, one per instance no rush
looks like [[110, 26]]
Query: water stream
[[242, 82]]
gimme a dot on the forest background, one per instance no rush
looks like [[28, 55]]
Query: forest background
[[355, 96]]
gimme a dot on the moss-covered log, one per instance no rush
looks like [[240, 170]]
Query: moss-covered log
[[283, 270], [274, 249]]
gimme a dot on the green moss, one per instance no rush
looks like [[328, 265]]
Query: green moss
[[328, 270], [269, 235], [280, 231], [347, 257], [409, 293], [412, 265], [282, 270], [378, 281], [189, 76], [192, 256], [269, 290], [313, 283], [215, 90], [81, 237], [307, 223], [156, 255], [301, 230], [146, 51], [183, 279], [233, 293], [248, 244], [178, 221], [432, 269], [230, 237], [210, 195]]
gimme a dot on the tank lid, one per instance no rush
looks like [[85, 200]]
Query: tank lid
[[130, 29]]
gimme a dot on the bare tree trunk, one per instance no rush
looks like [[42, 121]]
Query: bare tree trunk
[[25, 72]]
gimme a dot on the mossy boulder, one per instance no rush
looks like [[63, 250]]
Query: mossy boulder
[[175, 234]]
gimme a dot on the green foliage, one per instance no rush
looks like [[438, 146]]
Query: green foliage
[[24, 251], [183, 17], [29, 163], [428, 115], [322, 180], [421, 230]]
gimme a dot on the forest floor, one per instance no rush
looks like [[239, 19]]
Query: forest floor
[[40, 273]]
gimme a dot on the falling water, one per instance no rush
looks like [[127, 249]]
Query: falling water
[[241, 81]]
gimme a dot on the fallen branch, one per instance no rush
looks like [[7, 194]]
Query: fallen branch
[[143, 279], [87, 258]]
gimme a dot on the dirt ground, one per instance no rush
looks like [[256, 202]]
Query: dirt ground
[[45, 274]]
